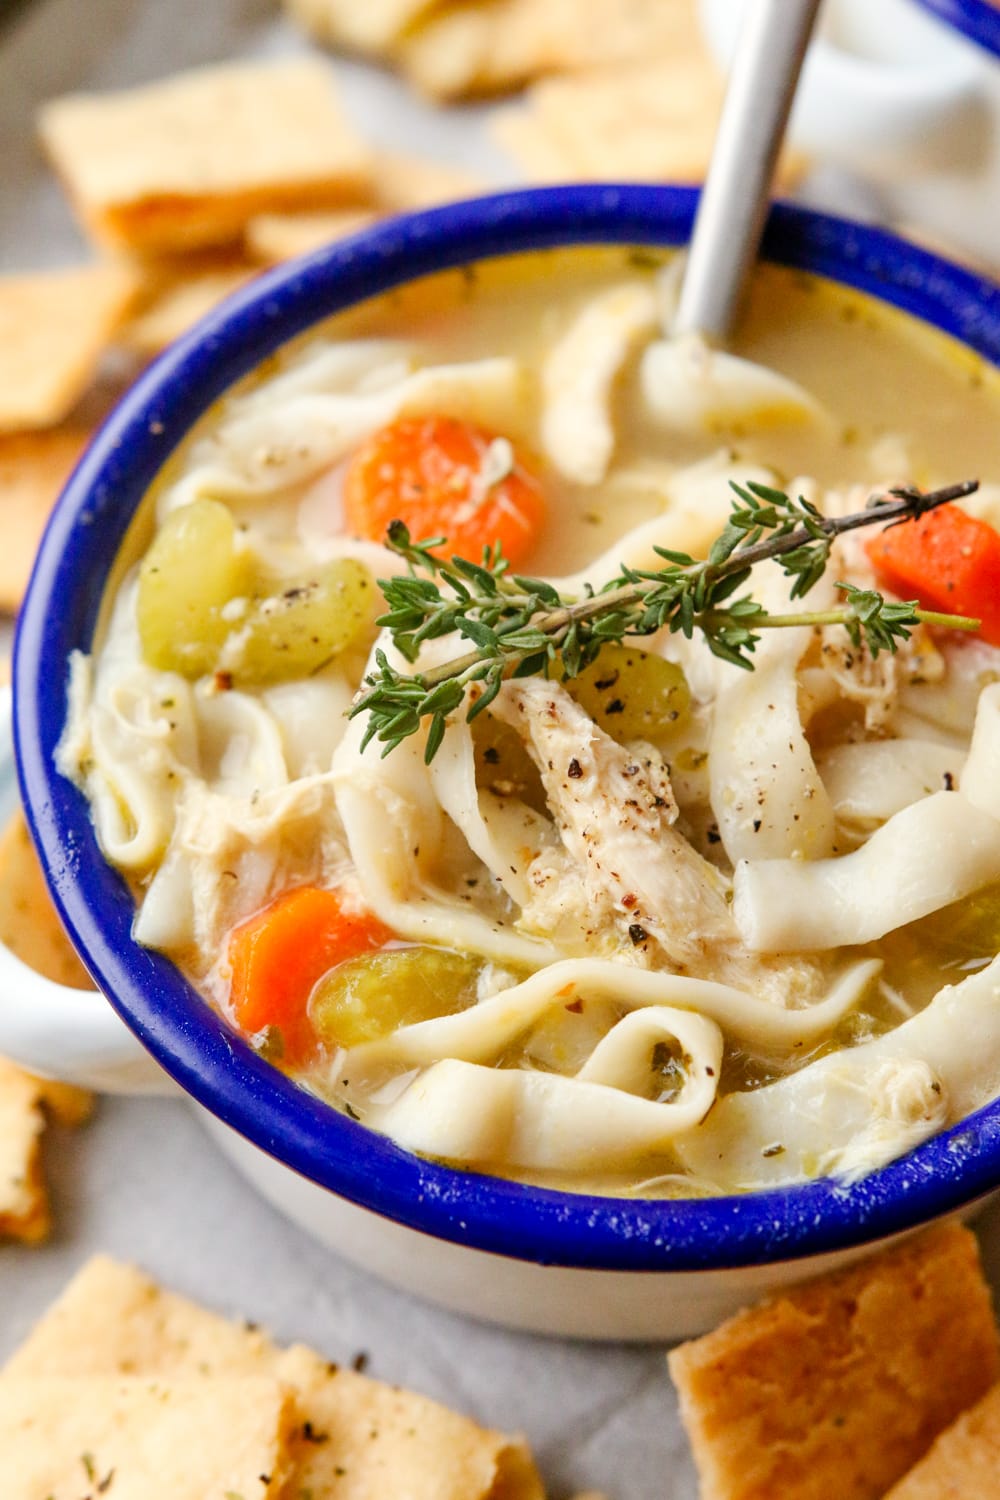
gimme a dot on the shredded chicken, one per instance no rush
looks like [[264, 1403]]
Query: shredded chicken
[[615, 810]]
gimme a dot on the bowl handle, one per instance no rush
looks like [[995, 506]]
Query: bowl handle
[[71, 1035], [51, 1029]]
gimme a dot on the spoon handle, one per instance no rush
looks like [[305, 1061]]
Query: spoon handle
[[733, 203]]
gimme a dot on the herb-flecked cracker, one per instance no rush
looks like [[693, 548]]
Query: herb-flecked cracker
[[54, 329], [366, 1439], [135, 1438], [34, 466], [112, 1318], [185, 162], [837, 1387], [24, 1103]]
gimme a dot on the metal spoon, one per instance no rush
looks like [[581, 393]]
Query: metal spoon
[[733, 204]]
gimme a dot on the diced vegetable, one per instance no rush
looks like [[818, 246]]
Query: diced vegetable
[[632, 694], [443, 477], [503, 765], [295, 632], [279, 955], [202, 605], [192, 570], [368, 997], [946, 560]]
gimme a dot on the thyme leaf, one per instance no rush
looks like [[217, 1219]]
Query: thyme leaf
[[519, 626]]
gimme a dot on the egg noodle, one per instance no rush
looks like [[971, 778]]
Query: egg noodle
[[704, 946]]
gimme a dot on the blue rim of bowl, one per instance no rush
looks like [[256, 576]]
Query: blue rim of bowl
[[215, 1066], [979, 20]]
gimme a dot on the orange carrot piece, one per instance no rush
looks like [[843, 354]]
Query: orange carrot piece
[[946, 560], [429, 473], [279, 954]]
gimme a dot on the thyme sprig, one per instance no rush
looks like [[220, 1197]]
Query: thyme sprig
[[522, 627]]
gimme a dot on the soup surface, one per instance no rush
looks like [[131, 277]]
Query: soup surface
[[663, 927]]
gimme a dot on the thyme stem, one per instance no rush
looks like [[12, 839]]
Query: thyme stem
[[521, 626]]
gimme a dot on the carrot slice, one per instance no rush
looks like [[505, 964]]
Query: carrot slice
[[443, 477], [279, 954], [946, 560]]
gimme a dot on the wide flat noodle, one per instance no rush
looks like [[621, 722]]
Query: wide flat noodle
[[395, 830], [941, 849], [868, 783], [579, 374], [853, 1110], [767, 796], [142, 1439], [483, 1032], [303, 429], [513, 1117], [687, 386]]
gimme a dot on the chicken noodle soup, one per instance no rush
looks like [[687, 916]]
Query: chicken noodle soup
[[663, 927]]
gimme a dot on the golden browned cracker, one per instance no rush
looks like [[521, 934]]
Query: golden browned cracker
[[185, 162], [34, 466], [606, 32], [180, 300], [355, 1438], [24, 1204], [29, 924], [837, 1387], [133, 1438], [402, 181], [275, 237], [373, 27], [379, 1440], [475, 49], [54, 329], [963, 1463], [112, 1319], [649, 121]]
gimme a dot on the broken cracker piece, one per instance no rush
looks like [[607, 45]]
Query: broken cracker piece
[[178, 300], [112, 1318], [649, 121], [276, 237], [373, 27], [54, 329], [963, 1463], [185, 162], [470, 50], [24, 1101], [24, 1205], [29, 924], [140, 1439], [34, 466], [838, 1386]]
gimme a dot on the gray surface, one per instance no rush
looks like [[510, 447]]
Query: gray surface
[[143, 1182]]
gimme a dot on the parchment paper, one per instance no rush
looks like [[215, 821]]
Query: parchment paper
[[143, 1182]]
